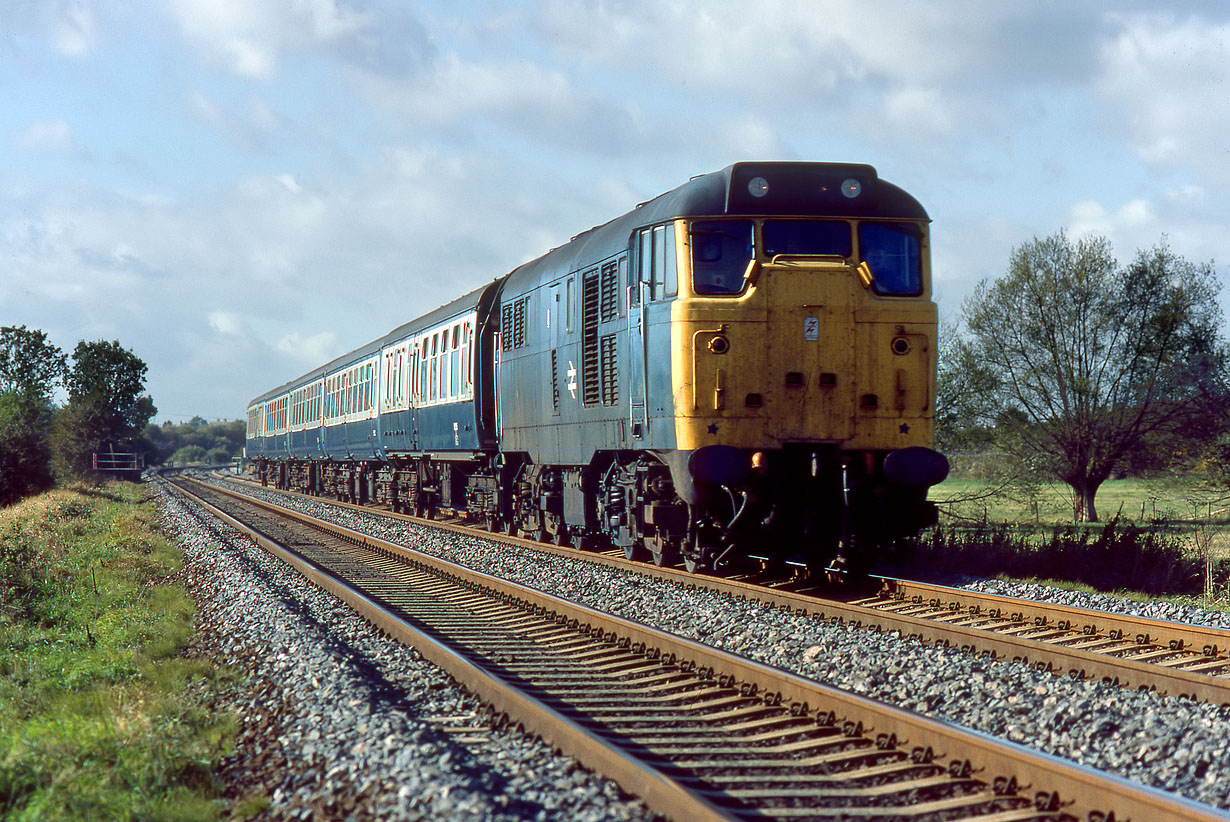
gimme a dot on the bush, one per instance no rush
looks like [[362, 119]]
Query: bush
[[188, 455]]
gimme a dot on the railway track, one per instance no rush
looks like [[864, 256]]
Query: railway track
[[694, 731], [1170, 658]]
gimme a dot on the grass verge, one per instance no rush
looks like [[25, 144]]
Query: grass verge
[[101, 714]]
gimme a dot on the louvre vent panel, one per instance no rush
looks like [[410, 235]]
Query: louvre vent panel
[[590, 296], [506, 322], [610, 370], [519, 311], [513, 324], [610, 291]]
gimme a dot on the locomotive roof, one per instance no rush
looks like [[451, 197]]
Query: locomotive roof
[[794, 189]]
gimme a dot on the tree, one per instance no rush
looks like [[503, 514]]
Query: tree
[[1088, 362], [30, 367], [964, 417], [107, 408], [221, 439]]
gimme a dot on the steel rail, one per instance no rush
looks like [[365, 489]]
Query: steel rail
[[1167, 643], [1059, 788]]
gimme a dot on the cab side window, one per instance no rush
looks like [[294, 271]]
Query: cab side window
[[656, 262]]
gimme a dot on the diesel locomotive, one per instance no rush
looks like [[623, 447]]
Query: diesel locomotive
[[740, 368]]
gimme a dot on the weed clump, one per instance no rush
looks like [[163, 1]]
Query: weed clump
[[24, 575]]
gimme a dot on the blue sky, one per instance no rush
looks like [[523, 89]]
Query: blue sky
[[238, 190]]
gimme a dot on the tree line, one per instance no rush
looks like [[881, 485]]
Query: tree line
[[105, 412], [1083, 369], [194, 442]]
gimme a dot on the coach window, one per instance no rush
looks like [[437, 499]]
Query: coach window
[[434, 386], [465, 358], [448, 385], [455, 363], [424, 380], [721, 251], [414, 375]]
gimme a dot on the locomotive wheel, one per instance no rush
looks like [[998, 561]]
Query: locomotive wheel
[[661, 552], [636, 552], [556, 530]]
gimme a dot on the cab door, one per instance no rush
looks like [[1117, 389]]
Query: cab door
[[638, 292]]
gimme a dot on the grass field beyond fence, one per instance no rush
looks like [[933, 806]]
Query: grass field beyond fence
[[1158, 537], [101, 717]]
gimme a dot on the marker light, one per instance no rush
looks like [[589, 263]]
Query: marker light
[[851, 188], [758, 186]]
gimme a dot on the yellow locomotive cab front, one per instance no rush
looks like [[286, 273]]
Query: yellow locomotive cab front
[[807, 352], [813, 366]]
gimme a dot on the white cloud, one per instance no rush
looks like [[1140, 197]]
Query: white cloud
[[46, 135], [248, 37], [226, 323], [925, 111], [249, 130], [1091, 217], [1170, 79], [309, 350], [74, 28]]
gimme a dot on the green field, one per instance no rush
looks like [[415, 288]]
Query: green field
[[1142, 501]]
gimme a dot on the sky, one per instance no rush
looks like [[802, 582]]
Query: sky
[[240, 190]]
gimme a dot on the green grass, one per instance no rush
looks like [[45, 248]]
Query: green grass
[[101, 716], [1131, 500]]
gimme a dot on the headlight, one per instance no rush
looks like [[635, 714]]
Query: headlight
[[851, 188], [758, 186]]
